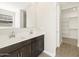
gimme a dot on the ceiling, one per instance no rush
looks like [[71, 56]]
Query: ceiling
[[19, 5], [65, 5]]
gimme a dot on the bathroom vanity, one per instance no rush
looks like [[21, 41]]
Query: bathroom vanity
[[31, 47]]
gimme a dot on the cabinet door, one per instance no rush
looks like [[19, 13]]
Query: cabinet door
[[28, 50], [40, 43], [37, 45], [13, 54], [25, 51], [33, 48]]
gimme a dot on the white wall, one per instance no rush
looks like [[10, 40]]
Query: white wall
[[65, 5], [69, 22], [31, 16], [46, 21]]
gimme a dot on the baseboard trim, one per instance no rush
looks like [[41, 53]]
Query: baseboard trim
[[50, 54]]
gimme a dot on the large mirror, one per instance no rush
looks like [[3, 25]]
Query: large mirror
[[13, 14], [9, 19], [6, 18]]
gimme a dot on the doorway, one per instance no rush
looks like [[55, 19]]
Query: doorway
[[69, 20]]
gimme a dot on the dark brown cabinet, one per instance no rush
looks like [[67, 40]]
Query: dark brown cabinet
[[29, 48], [13, 54], [33, 47], [37, 46], [40, 44], [25, 51]]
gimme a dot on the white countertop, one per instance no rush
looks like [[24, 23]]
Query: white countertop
[[22, 36]]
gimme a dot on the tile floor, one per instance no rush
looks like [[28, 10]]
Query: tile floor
[[67, 49]]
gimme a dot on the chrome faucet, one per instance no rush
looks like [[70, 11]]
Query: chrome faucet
[[12, 35]]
